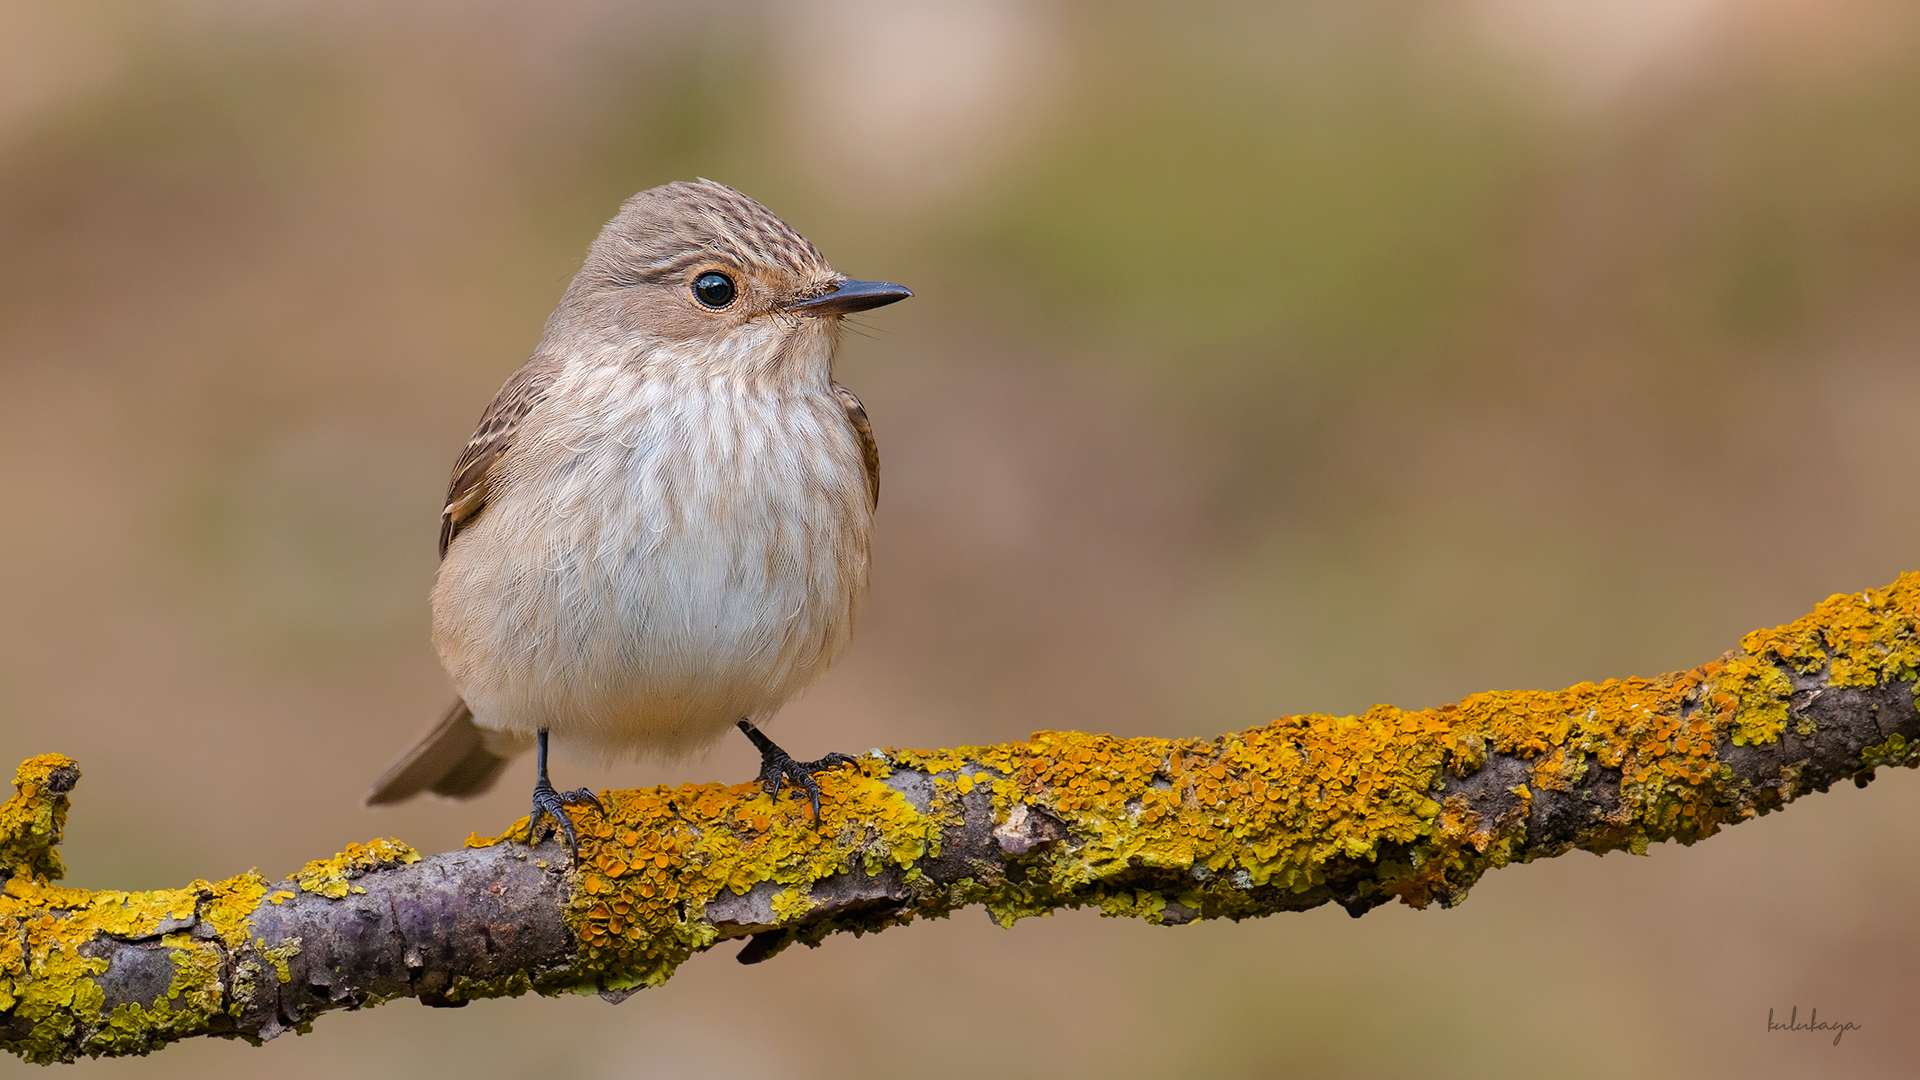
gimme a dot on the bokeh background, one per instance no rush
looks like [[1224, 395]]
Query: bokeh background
[[1266, 358]]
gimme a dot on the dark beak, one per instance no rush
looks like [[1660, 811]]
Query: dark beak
[[848, 297]]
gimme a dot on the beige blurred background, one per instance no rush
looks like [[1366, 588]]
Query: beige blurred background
[[1266, 358]]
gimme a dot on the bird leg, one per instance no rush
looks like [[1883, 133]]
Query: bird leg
[[777, 766], [547, 801]]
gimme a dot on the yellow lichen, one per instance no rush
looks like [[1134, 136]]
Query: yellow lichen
[[791, 904], [32, 821], [48, 978], [334, 877], [278, 955], [1896, 752], [194, 994]]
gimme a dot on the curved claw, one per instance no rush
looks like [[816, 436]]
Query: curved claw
[[777, 767], [550, 803]]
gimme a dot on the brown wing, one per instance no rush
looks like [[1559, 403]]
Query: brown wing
[[467, 492], [862, 427]]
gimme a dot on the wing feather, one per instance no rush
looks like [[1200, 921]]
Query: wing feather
[[467, 491], [863, 429]]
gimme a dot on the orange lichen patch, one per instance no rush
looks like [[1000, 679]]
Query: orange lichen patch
[[1864, 638], [649, 866], [334, 877]]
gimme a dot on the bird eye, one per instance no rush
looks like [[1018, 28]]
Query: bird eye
[[713, 290]]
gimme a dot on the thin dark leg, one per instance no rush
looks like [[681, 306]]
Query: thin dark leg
[[547, 801], [777, 766]]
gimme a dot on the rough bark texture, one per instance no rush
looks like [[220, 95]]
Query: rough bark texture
[[1287, 816]]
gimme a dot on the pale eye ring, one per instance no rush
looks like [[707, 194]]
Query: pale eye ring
[[713, 289]]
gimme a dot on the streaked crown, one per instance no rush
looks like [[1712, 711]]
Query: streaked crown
[[663, 233]]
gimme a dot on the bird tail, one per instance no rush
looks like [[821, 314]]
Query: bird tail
[[455, 759]]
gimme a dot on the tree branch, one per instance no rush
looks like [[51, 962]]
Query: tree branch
[[1357, 810]]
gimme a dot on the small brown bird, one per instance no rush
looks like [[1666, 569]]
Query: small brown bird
[[660, 528]]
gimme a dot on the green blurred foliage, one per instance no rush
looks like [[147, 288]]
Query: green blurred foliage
[[1210, 213]]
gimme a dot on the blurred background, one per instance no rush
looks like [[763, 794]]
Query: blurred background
[[1266, 358]]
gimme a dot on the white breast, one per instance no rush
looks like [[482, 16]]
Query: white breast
[[659, 558]]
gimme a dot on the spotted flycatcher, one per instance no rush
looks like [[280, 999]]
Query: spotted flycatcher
[[660, 528]]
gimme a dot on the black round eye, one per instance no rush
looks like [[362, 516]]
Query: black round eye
[[713, 290]]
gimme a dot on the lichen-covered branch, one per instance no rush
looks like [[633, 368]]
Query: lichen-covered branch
[[1307, 809]]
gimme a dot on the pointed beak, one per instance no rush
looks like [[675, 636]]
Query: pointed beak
[[848, 297]]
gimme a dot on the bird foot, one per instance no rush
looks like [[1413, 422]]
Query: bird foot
[[547, 801], [778, 767]]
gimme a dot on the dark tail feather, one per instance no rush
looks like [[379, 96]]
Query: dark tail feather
[[451, 760]]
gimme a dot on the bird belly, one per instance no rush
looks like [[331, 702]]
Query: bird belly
[[638, 589]]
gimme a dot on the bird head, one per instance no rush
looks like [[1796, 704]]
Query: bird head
[[697, 274]]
